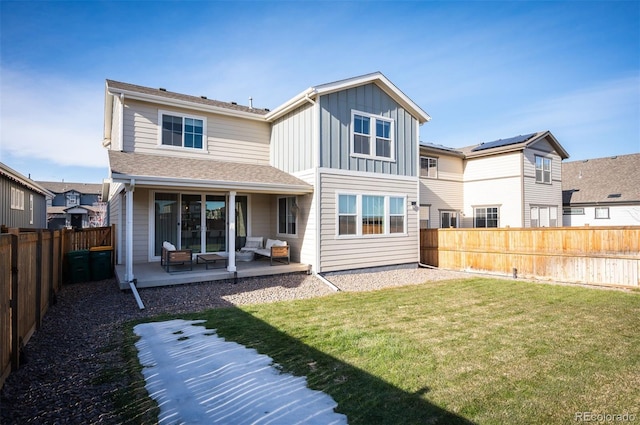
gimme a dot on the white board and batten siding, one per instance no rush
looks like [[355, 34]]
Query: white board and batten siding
[[494, 181], [345, 253], [227, 138], [306, 240]]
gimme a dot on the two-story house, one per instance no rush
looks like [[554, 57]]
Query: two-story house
[[23, 202], [602, 191], [75, 205], [333, 172], [514, 182]]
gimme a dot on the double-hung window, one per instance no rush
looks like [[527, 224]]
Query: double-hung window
[[287, 216], [429, 167], [372, 136], [181, 130], [17, 199], [543, 169], [371, 215], [486, 217]]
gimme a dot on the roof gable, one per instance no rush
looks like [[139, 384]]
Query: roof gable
[[376, 78], [512, 144]]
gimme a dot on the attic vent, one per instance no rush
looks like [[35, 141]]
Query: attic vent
[[266, 109], [234, 103], [203, 97], [162, 89], [614, 195]]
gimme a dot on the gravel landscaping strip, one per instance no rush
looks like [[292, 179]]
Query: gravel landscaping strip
[[59, 382]]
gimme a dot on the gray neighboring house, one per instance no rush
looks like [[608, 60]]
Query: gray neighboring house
[[23, 202], [75, 205], [602, 191]]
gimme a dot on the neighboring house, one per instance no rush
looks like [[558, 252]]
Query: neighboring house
[[514, 182], [75, 205], [333, 171], [23, 202], [602, 191]]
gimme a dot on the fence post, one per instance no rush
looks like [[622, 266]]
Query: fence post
[[15, 343], [38, 299]]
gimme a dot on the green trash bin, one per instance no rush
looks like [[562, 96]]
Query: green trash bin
[[100, 258], [79, 266]]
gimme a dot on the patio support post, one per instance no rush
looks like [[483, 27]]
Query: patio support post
[[231, 267], [129, 232]]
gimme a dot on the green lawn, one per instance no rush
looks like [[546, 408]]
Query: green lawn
[[485, 351]]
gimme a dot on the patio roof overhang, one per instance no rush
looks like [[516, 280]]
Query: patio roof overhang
[[156, 171]]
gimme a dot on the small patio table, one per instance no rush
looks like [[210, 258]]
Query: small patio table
[[210, 259]]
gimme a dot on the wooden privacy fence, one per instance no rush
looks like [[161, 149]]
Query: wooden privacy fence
[[589, 255], [31, 273]]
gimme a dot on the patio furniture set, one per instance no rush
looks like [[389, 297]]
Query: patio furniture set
[[273, 249]]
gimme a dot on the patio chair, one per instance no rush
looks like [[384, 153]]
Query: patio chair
[[175, 257]]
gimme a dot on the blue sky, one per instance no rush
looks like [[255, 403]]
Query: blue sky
[[482, 70]]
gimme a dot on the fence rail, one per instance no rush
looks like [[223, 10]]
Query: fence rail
[[589, 255], [31, 273]]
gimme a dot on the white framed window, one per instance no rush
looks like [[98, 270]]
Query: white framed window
[[429, 167], [543, 170], [287, 216], [186, 131], [573, 211], [73, 199], [17, 199], [602, 212], [365, 215], [425, 212], [486, 217], [448, 219], [372, 136], [544, 216]]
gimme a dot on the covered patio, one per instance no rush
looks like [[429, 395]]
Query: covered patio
[[152, 274]]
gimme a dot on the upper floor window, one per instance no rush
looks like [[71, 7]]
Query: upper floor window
[[486, 217], [429, 167], [372, 136], [287, 215], [543, 169], [73, 199], [17, 199], [371, 215], [183, 131]]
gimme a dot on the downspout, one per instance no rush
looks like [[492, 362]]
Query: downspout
[[129, 244], [121, 129], [522, 199]]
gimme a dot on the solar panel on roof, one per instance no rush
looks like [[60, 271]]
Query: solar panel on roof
[[503, 142]]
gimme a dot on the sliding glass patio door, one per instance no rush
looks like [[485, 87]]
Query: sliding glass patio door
[[197, 221]]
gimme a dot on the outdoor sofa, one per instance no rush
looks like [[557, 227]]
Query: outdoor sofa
[[274, 249]]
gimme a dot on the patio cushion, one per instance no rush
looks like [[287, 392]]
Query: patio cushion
[[168, 246], [274, 242], [253, 242]]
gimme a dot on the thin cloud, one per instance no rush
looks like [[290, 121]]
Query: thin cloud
[[52, 118]]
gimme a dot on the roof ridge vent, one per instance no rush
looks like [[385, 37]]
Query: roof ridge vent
[[203, 97], [162, 89]]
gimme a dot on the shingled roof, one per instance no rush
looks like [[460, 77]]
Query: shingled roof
[[118, 86], [63, 187], [612, 180], [204, 172]]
